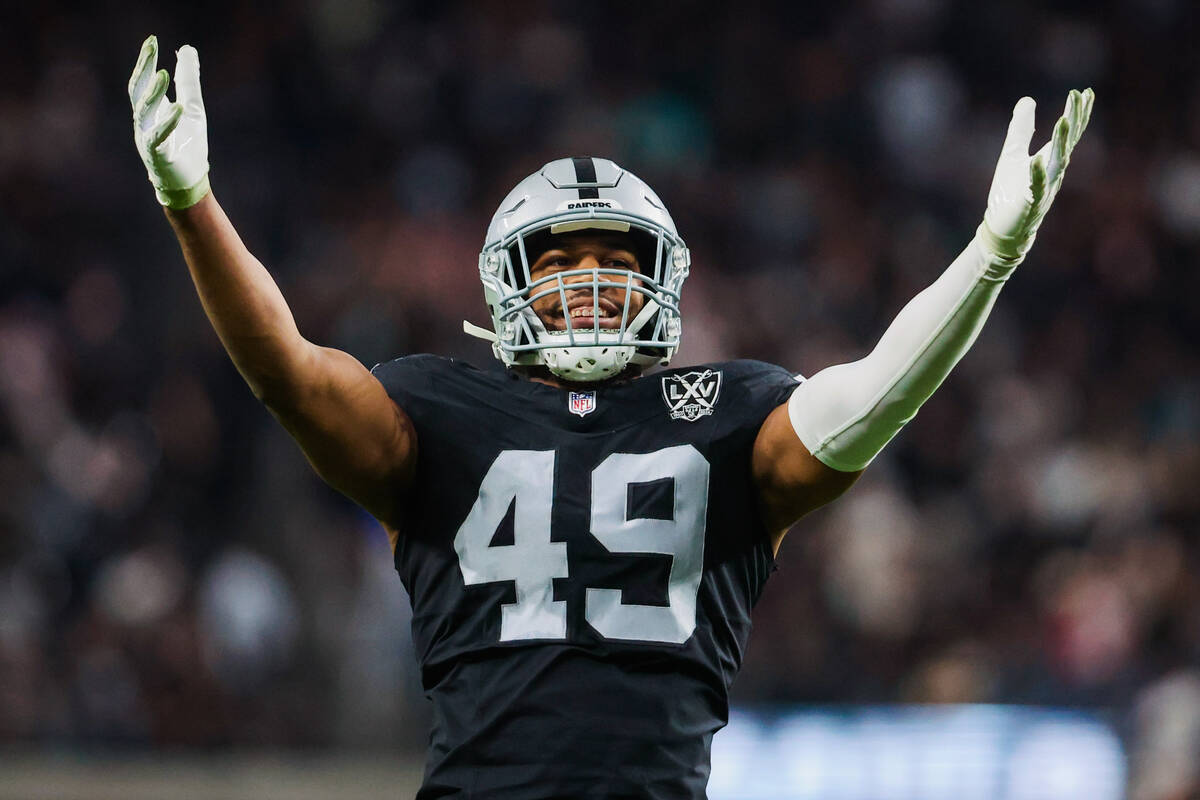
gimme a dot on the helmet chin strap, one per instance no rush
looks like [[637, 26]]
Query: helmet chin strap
[[645, 315], [471, 329]]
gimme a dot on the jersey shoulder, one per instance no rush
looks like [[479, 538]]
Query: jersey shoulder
[[755, 373], [430, 377], [751, 380], [432, 389], [407, 373]]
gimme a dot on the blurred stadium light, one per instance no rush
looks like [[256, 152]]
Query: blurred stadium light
[[965, 752]]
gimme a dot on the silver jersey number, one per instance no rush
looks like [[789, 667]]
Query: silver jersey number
[[533, 561]]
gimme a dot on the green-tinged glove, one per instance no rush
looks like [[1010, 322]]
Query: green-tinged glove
[[1024, 186], [171, 138]]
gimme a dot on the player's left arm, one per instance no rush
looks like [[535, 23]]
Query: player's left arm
[[813, 447]]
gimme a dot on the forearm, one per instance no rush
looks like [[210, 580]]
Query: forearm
[[845, 414], [242, 301]]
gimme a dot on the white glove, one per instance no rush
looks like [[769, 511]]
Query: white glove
[[171, 138], [1024, 186]]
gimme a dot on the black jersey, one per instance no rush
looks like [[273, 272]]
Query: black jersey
[[582, 567]]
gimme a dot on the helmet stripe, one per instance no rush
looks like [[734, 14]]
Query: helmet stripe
[[585, 172]]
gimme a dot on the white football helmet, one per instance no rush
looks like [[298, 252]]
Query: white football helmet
[[573, 194]]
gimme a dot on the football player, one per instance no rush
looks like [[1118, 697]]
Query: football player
[[582, 543]]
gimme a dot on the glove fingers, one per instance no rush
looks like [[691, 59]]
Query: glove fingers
[[1085, 113], [1058, 150], [1037, 178], [1077, 119], [1079, 112], [187, 80], [144, 69], [146, 111], [1020, 129], [1071, 109], [167, 126]]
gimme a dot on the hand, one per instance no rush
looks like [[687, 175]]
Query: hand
[[1024, 186], [171, 138]]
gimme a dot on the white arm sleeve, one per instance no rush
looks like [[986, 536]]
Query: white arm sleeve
[[846, 414]]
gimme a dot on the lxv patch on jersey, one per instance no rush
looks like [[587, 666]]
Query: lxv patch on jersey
[[692, 395]]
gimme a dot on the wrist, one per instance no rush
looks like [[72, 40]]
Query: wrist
[[1003, 253], [179, 199]]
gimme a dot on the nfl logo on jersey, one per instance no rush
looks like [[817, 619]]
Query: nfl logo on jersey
[[582, 403], [692, 395]]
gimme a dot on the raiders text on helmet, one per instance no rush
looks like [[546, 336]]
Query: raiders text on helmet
[[574, 194]]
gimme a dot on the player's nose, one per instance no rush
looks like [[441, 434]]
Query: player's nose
[[587, 262]]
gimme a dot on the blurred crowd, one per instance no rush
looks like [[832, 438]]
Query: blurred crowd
[[173, 575]]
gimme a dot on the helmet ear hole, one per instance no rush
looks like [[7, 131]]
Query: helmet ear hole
[[645, 248], [536, 243]]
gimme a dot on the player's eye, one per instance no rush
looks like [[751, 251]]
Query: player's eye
[[547, 263], [620, 263]]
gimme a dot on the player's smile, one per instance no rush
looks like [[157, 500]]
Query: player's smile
[[583, 312]]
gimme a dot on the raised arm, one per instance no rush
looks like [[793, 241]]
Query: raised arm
[[356, 438], [813, 447]]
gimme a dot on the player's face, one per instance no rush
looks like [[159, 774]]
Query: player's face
[[586, 251]]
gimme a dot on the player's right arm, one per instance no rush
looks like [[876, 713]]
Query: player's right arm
[[356, 438]]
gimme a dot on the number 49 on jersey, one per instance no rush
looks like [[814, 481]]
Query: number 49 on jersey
[[533, 561]]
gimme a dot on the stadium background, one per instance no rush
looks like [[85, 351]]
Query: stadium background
[[182, 601]]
